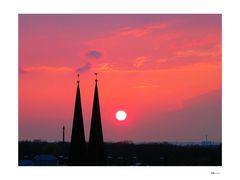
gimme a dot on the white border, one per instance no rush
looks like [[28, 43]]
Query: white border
[[9, 88], [120, 6]]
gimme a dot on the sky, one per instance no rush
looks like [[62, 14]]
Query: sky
[[164, 71]]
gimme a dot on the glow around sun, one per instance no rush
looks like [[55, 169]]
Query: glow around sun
[[121, 115]]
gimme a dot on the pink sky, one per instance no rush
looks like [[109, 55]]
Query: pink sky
[[163, 70]]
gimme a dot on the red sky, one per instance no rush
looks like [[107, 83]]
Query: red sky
[[163, 70]]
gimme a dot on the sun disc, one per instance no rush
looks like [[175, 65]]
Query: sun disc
[[121, 115]]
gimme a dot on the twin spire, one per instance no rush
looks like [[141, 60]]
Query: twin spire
[[80, 154], [78, 148]]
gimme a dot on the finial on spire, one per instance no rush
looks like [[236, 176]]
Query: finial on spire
[[78, 78], [96, 76]]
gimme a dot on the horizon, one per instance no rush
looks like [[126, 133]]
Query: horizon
[[124, 141]]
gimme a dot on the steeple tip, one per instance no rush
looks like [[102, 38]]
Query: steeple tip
[[78, 78], [96, 80]]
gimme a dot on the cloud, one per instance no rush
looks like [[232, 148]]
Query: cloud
[[87, 66], [142, 31], [196, 117], [206, 100], [198, 53], [147, 86], [51, 69], [105, 67], [21, 70], [139, 61], [94, 54]]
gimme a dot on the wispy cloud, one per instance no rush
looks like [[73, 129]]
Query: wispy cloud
[[197, 53], [146, 86], [141, 31], [21, 70], [108, 68], [51, 69], [105, 67], [139, 61], [163, 46], [85, 67]]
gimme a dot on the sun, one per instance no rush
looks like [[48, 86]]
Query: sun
[[121, 115]]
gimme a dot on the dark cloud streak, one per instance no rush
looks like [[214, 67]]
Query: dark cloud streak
[[21, 71], [94, 54], [87, 66]]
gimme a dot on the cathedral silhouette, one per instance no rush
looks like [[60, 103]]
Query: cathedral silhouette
[[80, 153]]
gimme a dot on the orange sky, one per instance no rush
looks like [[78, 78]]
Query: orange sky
[[163, 70]]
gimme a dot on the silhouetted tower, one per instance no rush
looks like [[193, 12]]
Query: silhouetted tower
[[63, 135], [96, 154], [78, 154]]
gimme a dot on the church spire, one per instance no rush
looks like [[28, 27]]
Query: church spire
[[96, 145], [77, 155]]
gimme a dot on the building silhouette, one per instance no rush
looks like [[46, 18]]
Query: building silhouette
[[78, 149], [96, 156]]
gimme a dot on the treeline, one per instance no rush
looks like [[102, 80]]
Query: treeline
[[127, 153]]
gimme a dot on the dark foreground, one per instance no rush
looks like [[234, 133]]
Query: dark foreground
[[125, 154]]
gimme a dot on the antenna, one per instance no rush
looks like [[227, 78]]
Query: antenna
[[63, 135]]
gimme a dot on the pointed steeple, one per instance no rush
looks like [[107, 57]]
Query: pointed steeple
[[96, 145], [78, 154]]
